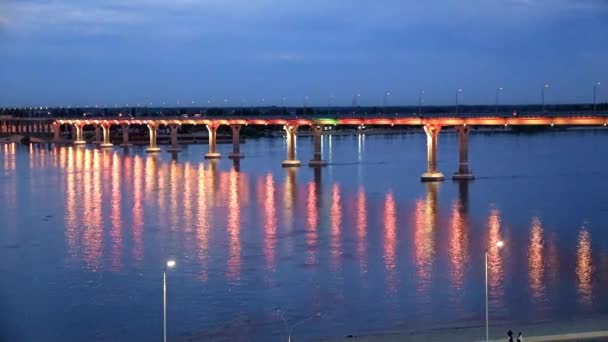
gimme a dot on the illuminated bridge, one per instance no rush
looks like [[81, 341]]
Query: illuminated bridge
[[432, 125]]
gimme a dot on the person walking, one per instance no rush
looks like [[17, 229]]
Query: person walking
[[520, 338], [510, 335]]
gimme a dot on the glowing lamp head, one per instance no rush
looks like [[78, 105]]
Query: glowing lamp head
[[170, 263], [500, 244]]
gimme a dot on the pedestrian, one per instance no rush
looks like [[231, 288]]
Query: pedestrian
[[510, 335], [520, 338]]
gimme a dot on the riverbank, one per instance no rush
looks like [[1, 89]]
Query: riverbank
[[569, 330]]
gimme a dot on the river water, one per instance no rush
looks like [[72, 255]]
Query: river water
[[358, 247]]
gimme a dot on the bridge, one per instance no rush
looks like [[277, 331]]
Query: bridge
[[431, 124]]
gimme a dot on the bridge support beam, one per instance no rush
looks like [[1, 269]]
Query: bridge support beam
[[174, 144], [56, 131], [432, 135], [125, 136], [78, 138], [97, 139], [212, 129], [317, 157], [463, 172], [236, 142], [291, 160], [153, 148], [105, 128]]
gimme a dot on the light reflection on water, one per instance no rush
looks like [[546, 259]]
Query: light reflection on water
[[369, 250]]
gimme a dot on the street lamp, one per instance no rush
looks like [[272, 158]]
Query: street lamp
[[499, 244], [595, 95], [420, 95], [170, 264], [497, 100], [289, 329], [542, 94], [386, 99], [457, 98]]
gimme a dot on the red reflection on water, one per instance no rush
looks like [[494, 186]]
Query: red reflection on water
[[312, 218], [390, 239], [336, 226], [289, 198], [138, 208], [266, 192], [424, 243], [175, 180], [202, 228], [9, 157], [116, 217], [495, 263], [535, 260], [71, 220], [361, 222], [584, 267], [187, 197], [234, 227], [458, 246], [93, 228]]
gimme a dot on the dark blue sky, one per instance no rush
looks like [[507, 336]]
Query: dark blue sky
[[108, 52]]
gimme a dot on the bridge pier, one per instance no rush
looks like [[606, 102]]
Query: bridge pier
[[463, 172], [125, 136], [317, 156], [291, 160], [56, 131], [212, 129], [97, 138], [174, 145], [432, 135], [106, 143], [78, 139], [153, 148], [236, 142]]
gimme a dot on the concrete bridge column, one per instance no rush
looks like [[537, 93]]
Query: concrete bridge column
[[56, 131], [125, 136], [97, 138], [291, 160], [212, 154], [463, 172], [153, 148], [236, 142], [317, 157], [106, 128], [78, 138], [432, 135], [174, 144]]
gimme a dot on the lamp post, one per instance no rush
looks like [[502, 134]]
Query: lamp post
[[499, 244], [457, 98], [170, 264], [289, 329], [542, 95], [498, 90], [420, 94], [386, 101], [595, 86]]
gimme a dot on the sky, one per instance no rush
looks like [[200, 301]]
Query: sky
[[176, 52]]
